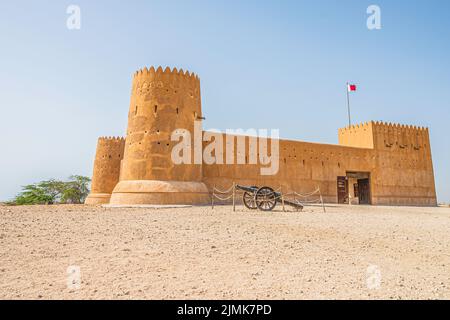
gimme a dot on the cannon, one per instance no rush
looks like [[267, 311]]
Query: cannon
[[264, 198]]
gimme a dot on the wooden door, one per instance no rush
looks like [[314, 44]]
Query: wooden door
[[364, 191], [342, 190]]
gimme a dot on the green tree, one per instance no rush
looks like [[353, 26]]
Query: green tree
[[44, 192], [54, 191], [75, 190]]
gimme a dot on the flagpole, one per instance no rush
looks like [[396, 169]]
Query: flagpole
[[348, 107]]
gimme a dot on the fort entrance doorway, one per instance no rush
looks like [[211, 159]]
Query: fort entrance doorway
[[354, 188]]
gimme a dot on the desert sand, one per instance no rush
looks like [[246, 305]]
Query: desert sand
[[201, 253]]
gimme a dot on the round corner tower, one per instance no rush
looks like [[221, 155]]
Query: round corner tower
[[106, 173], [162, 101]]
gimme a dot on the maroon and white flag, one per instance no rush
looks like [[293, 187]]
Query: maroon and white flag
[[351, 87]]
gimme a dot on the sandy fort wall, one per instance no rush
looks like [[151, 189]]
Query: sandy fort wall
[[303, 167], [359, 136], [403, 173], [397, 158], [161, 101], [106, 172]]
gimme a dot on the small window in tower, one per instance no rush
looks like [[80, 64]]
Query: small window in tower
[[156, 108], [135, 110], [177, 110]]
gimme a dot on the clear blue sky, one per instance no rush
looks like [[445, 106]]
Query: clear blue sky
[[263, 64]]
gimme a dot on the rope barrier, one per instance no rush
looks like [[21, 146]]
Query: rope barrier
[[279, 196], [222, 199], [226, 191], [307, 194]]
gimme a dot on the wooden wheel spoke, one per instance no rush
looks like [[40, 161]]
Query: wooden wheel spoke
[[265, 199]]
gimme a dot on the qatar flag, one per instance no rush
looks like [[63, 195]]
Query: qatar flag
[[351, 87]]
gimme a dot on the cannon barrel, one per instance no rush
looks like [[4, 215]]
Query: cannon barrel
[[248, 189], [292, 204], [278, 196]]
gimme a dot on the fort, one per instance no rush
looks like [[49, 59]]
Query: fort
[[374, 163]]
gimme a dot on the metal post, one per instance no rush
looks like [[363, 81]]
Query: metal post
[[212, 197], [321, 200], [234, 202], [348, 106]]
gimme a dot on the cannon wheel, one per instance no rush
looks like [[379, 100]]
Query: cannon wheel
[[249, 199], [265, 199]]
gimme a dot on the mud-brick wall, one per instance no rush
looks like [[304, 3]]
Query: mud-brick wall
[[397, 157], [303, 167], [403, 173], [108, 157], [162, 101]]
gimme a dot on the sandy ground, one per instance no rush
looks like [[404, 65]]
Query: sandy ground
[[199, 253]]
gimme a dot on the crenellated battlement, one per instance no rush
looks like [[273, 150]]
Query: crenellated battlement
[[111, 138], [398, 126], [110, 148], [164, 85], [356, 126], [384, 135], [146, 72], [358, 135], [382, 124]]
